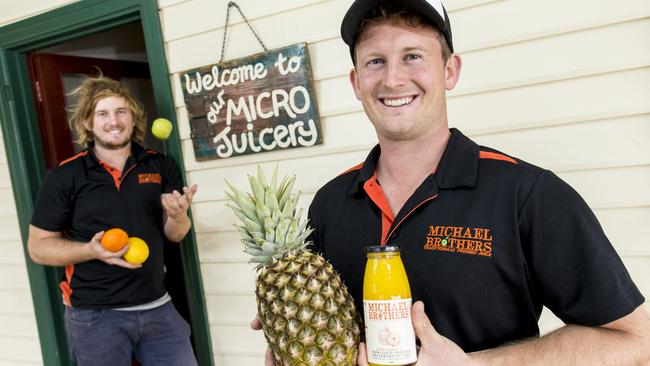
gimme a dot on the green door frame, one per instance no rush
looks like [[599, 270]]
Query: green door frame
[[25, 156]]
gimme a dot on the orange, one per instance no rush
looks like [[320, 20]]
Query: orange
[[138, 251], [114, 239]]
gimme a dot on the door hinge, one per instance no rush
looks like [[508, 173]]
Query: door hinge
[[39, 97]]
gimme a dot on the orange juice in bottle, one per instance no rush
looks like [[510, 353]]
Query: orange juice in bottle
[[390, 338]]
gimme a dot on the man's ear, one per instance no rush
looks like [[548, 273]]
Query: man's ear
[[354, 81], [452, 71], [88, 125]]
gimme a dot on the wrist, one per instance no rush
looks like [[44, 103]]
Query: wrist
[[90, 250], [480, 358], [180, 219]]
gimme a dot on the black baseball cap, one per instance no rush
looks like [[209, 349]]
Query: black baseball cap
[[431, 10]]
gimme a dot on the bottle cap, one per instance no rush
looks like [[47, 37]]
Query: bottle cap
[[381, 249]]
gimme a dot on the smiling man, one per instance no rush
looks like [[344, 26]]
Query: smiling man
[[487, 239], [115, 311]]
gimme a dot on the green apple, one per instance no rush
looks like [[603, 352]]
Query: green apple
[[161, 128]]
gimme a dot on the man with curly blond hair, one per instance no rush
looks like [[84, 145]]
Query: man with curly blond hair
[[115, 311], [89, 93]]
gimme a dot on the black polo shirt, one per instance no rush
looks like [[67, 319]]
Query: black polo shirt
[[486, 240], [83, 196]]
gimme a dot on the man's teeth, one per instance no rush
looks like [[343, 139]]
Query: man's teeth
[[397, 102]]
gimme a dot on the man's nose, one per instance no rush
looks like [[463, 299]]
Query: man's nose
[[113, 118], [395, 75]]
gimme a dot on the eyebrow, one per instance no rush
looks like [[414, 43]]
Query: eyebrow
[[403, 50], [409, 49], [117, 109]]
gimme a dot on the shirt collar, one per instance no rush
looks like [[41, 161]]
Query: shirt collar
[[458, 166], [137, 152], [367, 169]]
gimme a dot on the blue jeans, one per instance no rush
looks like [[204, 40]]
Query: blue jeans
[[158, 336]]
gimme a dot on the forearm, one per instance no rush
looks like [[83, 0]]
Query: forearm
[[572, 345], [177, 228], [59, 251]]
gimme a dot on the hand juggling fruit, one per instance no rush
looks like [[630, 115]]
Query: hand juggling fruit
[[114, 239], [161, 128], [138, 251]]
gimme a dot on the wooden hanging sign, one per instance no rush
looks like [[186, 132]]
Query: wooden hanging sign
[[255, 104]]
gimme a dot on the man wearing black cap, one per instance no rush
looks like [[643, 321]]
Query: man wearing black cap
[[487, 239]]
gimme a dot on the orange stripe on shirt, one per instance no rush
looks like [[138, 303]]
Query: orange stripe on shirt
[[66, 290], [376, 194], [496, 156], [83, 153], [356, 167]]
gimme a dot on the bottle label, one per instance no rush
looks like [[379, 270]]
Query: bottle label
[[390, 338]]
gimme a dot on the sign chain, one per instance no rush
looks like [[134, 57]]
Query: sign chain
[[225, 30]]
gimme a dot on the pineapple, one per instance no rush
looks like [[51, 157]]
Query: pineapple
[[307, 314]]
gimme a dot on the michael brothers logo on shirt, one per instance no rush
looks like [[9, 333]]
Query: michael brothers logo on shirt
[[459, 239], [144, 178]]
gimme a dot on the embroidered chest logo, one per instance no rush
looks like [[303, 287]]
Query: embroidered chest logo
[[459, 239], [144, 178]]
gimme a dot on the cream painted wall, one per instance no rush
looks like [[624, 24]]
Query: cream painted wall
[[568, 90], [19, 341], [13, 11], [565, 89]]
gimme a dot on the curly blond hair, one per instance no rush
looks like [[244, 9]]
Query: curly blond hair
[[91, 91]]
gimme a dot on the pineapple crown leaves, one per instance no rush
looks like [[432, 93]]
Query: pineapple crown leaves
[[270, 224]]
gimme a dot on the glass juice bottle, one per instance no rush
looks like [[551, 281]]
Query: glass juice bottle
[[390, 338]]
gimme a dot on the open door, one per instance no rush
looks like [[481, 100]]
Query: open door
[[53, 78]]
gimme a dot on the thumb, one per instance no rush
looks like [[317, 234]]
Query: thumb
[[256, 324], [122, 251], [423, 328], [362, 358], [98, 236]]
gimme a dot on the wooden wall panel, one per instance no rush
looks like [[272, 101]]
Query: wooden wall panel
[[18, 350], [504, 22], [560, 102], [9, 230], [16, 10], [7, 206], [236, 340], [5, 179], [622, 226], [587, 51], [12, 253], [577, 146], [305, 24]]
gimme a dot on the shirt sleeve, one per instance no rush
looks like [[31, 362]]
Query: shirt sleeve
[[52, 208], [172, 180], [576, 271]]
